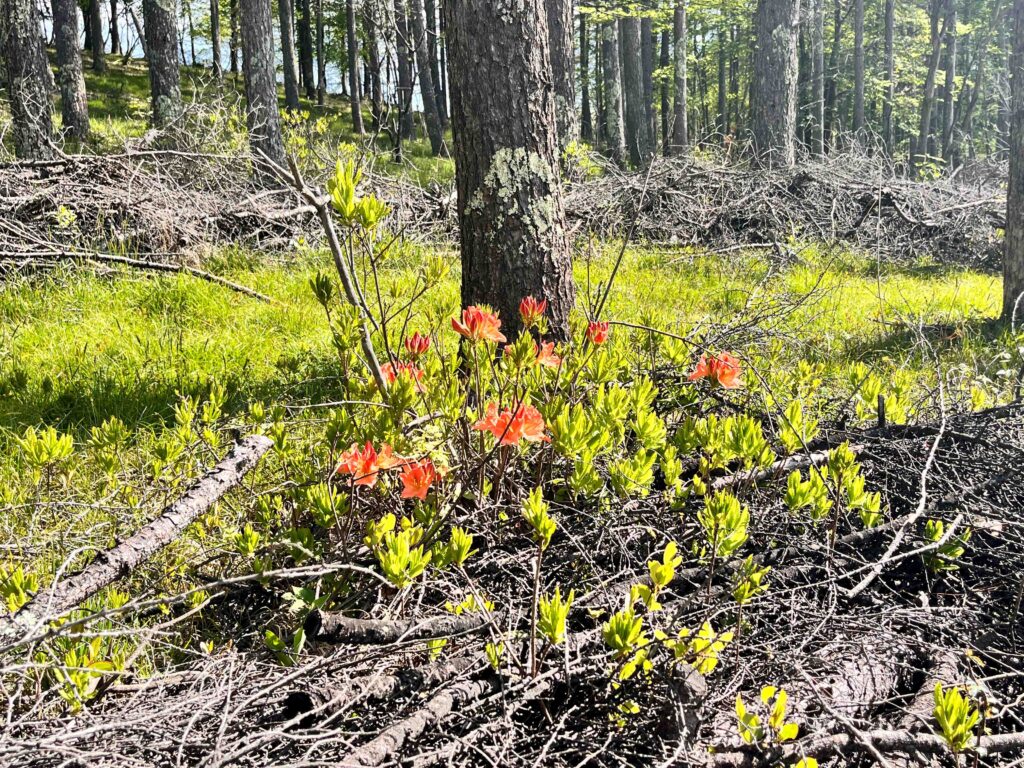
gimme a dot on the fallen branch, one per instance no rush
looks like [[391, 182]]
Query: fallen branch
[[119, 561], [335, 628]]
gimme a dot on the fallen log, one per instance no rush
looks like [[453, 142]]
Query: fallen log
[[119, 561], [392, 740], [336, 629]]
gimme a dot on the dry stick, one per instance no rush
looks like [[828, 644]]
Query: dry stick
[[119, 561], [349, 281], [799, 461], [334, 628], [392, 739]]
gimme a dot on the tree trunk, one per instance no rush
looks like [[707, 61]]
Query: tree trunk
[[115, 33], [858, 69], [138, 27], [888, 131], [1013, 271], [928, 102], [305, 29], [433, 49], [511, 219], [373, 64], [218, 68], [286, 17], [353, 67], [723, 97], [586, 117], [74, 104], [430, 115], [817, 98], [949, 87], [773, 91], [832, 75], [563, 67], [647, 55], [99, 63], [233, 44], [616, 144], [633, 86], [405, 117], [261, 114], [666, 107], [160, 19], [191, 30], [27, 77], [680, 128], [321, 55]]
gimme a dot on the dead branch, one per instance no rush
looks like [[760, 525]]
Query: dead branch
[[336, 629]]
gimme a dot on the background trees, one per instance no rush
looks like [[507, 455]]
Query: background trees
[[1013, 285]]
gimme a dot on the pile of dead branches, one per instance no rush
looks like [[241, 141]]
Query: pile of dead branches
[[848, 198], [858, 625]]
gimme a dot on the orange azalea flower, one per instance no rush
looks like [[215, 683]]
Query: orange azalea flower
[[479, 325], [723, 370], [364, 464], [416, 345], [509, 428], [392, 372], [597, 333], [417, 478], [546, 356], [531, 311]]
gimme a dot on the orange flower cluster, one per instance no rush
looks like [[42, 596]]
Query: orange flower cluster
[[722, 369], [392, 371], [479, 325], [417, 478], [597, 333], [417, 345], [531, 311], [365, 465], [510, 428], [546, 357]]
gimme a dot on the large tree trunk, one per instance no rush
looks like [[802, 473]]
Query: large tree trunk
[[616, 144], [218, 68], [286, 17], [888, 130], [586, 116], [563, 67], [262, 117], [430, 114], [353, 67], [27, 77], [99, 64], [680, 128], [511, 220], [858, 69], [817, 100], [405, 121], [773, 92], [305, 29], [1013, 282], [666, 107], [74, 104], [647, 59], [160, 19], [633, 87]]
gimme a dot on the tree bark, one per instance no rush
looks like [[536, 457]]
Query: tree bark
[[888, 130], [215, 49], [433, 51], [858, 69], [666, 107], [616, 144], [27, 77], [160, 19], [99, 63], [773, 92], [321, 55], [633, 91], [430, 115], [817, 99], [680, 127], [928, 101], [563, 68], [115, 33], [305, 39], [74, 104], [723, 93], [949, 87], [1013, 271], [373, 64], [353, 67], [261, 114], [511, 219], [233, 44], [286, 18], [586, 116], [405, 117], [647, 56]]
